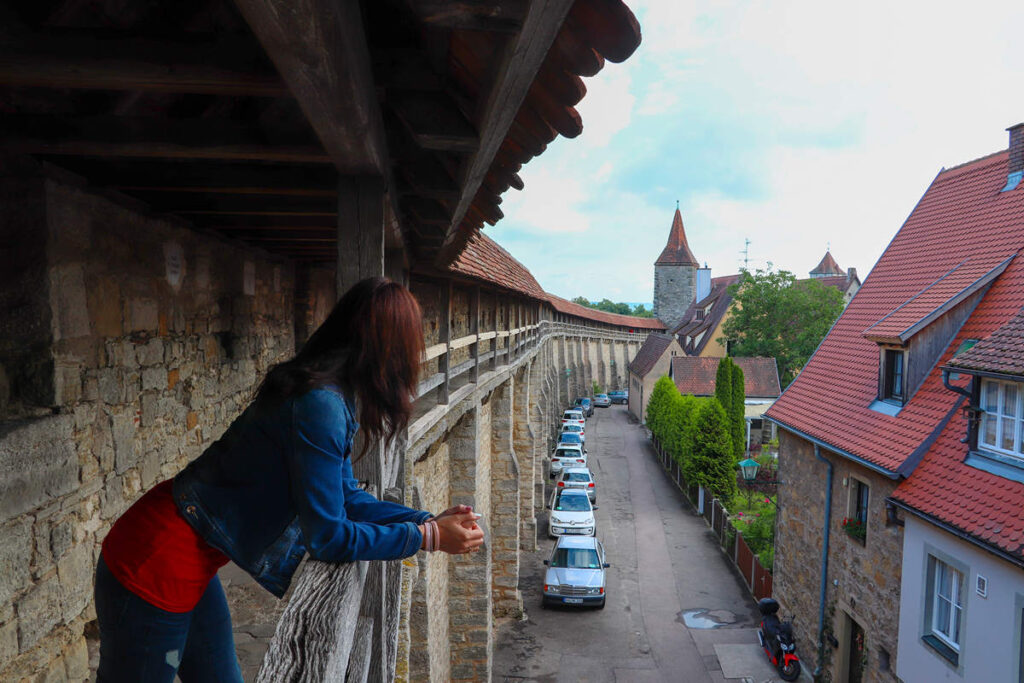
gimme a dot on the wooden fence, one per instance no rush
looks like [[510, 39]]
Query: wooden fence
[[757, 579]]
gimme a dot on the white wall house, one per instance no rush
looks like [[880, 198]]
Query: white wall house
[[960, 612]]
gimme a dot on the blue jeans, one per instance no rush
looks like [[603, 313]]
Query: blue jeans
[[140, 642]]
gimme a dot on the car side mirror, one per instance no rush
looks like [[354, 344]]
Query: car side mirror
[[545, 562], [606, 564], [594, 507]]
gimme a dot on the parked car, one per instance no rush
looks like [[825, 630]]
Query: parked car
[[573, 439], [572, 513], [619, 396], [575, 573], [602, 401], [572, 428], [573, 416], [567, 455], [579, 478], [586, 405]]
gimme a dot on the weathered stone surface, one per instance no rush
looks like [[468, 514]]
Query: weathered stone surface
[[123, 428], [67, 287], [38, 612], [154, 378], [37, 463], [75, 571], [8, 641], [15, 551], [76, 660], [61, 536], [143, 315]]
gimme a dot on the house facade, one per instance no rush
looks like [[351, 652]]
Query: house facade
[[696, 376], [890, 512], [652, 361]]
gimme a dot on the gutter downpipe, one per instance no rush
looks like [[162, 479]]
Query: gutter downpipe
[[824, 561]]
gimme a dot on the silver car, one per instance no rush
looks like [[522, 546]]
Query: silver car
[[579, 478], [575, 573], [602, 401]]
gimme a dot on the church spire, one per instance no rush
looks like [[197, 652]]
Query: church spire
[[677, 251]]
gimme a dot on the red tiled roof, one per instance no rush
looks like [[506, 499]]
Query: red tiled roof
[[1001, 352], [840, 282], [571, 308], [827, 266], [651, 350], [677, 251], [696, 376], [484, 259], [961, 216], [922, 308]]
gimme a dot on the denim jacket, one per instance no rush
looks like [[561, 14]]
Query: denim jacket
[[279, 484]]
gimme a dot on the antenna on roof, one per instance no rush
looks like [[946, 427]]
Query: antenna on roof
[[746, 254]]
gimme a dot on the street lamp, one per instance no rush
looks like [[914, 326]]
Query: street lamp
[[749, 468]]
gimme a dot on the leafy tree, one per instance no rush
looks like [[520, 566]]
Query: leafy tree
[[711, 464], [737, 412], [609, 306], [582, 301], [723, 383], [774, 315], [641, 311]]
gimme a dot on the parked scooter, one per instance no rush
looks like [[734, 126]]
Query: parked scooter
[[776, 638]]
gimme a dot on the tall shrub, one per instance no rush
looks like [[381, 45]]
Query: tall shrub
[[711, 464], [658, 406], [723, 384], [738, 412]]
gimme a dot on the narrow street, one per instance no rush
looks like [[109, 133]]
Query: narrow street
[[665, 568]]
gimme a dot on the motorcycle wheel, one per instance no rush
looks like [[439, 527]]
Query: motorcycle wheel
[[790, 672]]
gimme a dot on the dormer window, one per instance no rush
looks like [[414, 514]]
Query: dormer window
[[894, 375], [700, 314], [1002, 417]]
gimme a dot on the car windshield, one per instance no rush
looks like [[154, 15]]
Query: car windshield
[[602, 396], [571, 437], [567, 453], [576, 558], [576, 476], [578, 503]]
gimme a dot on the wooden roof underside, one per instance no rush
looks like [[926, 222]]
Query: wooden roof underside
[[242, 117]]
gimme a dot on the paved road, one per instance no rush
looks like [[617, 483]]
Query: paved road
[[664, 563]]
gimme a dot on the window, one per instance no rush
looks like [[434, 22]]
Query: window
[[944, 609], [894, 380], [700, 314], [1002, 417], [856, 523]]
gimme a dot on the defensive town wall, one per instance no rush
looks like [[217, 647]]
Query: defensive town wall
[[128, 343]]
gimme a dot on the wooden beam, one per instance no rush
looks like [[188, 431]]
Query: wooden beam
[[522, 60], [155, 138], [320, 50], [360, 230], [434, 121], [496, 17], [87, 62], [444, 331], [263, 203]]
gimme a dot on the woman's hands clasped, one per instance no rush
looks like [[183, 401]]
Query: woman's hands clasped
[[459, 533]]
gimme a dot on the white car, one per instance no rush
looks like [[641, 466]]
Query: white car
[[572, 514], [573, 416], [567, 455], [580, 478], [575, 429], [575, 573]]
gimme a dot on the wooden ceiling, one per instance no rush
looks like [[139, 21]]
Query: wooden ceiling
[[241, 117]]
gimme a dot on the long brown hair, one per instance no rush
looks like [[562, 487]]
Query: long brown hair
[[372, 342]]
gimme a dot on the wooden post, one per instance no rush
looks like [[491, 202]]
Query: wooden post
[[474, 318], [445, 334], [360, 230]]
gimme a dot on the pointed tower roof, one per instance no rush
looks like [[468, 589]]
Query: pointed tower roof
[[677, 251], [828, 266]]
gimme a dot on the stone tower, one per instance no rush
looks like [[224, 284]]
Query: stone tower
[[675, 276]]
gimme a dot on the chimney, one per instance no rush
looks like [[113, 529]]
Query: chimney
[[1015, 169], [703, 282], [851, 274]]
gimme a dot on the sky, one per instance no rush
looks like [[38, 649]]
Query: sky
[[797, 125]]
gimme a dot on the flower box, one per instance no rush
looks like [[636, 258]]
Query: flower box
[[855, 528]]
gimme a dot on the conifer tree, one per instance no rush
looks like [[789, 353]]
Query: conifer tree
[[738, 412], [711, 464], [723, 384]]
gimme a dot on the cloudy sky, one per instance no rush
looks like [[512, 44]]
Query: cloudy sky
[[794, 124]]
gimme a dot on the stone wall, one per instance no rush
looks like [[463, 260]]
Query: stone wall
[[863, 578], [674, 290], [149, 340]]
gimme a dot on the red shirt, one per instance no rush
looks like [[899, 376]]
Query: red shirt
[[156, 554]]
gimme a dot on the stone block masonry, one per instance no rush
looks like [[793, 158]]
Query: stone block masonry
[[127, 345]]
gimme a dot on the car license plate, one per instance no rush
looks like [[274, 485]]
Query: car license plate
[[574, 531], [573, 601]]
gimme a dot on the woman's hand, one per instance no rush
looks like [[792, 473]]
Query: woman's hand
[[455, 510], [459, 532]]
